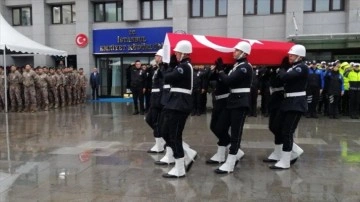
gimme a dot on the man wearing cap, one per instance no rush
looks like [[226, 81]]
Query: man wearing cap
[[293, 106], [344, 69], [178, 108], [323, 104], [153, 116], [334, 86], [314, 88], [354, 91], [237, 106]]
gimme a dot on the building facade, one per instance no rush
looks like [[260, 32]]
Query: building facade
[[119, 32]]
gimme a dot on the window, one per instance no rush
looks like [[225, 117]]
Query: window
[[323, 5], [263, 7], [63, 14], [21, 16], [208, 8], [156, 9], [108, 12]]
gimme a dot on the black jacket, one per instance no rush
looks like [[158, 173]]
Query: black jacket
[[138, 78], [239, 77], [180, 77], [334, 83], [295, 80]]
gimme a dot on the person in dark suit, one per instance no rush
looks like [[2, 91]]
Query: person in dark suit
[[95, 83]]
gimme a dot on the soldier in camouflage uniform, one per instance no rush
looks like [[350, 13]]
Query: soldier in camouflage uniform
[[68, 86], [29, 80], [2, 89], [61, 89], [76, 87], [15, 82], [42, 87], [37, 90], [53, 89], [82, 85]]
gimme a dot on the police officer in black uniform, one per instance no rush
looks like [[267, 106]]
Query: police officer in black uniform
[[221, 93], [334, 86], [178, 107], [153, 116], [254, 92], [239, 81], [138, 84], [205, 73], [315, 85], [197, 91], [293, 105], [264, 80]]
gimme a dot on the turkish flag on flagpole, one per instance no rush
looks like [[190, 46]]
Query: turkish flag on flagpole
[[206, 49]]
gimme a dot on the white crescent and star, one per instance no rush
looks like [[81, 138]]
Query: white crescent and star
[[204, 41]]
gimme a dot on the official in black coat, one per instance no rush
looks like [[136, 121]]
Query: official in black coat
[[138, 86], [95, 83]]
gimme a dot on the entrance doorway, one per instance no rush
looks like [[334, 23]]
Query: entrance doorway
[[112, 70]]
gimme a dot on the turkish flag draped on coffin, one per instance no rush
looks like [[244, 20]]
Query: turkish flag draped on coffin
[[206, 49]]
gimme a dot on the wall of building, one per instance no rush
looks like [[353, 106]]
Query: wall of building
[[235, 24]]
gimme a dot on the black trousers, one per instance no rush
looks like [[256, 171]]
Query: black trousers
[[354, 101], [234, 118], [345, 103], [153, 119], [334, 105], [265, 98], [275, 125], [173, 123], [313, 95], [323, 103], [138, 95], [289, 121], [217, 112], [95, 92], [196, 94], [203, 102], [253, 101], [147, 99]]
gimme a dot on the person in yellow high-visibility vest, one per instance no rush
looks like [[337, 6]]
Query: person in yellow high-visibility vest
[[354, 91], [345, 68]]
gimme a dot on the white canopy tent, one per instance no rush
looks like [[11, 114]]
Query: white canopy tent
[[11, 39]]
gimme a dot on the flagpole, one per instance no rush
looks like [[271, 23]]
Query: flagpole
[[5, 80]]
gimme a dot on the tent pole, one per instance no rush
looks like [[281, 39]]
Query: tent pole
[[66, 62], [5, 80]]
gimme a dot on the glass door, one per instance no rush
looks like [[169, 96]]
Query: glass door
[[112, 70], [110, 74]]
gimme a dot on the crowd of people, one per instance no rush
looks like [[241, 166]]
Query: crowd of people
[[42, 88]]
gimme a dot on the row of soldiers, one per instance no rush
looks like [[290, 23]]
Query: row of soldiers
[[42, 88]]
